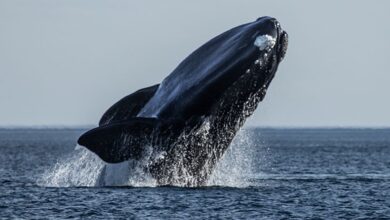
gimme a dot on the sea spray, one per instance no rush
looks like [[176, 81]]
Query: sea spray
[[237, 165], [84, 168], [129, 173], [80, 168]]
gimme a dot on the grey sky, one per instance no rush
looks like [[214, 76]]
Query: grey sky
[[65, 62]]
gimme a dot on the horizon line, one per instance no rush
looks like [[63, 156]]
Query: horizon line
[[245, 127]]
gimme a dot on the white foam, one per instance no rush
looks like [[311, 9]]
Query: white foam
[[264, 42], [236, 167], [81, 168]]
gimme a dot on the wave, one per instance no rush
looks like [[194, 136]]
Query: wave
[[261, 177]]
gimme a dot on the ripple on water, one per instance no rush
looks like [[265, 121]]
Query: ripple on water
[[293, 173]]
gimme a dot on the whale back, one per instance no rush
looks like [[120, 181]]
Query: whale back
[[202, 77]]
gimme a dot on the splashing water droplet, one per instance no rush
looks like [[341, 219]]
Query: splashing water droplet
[[236, 166], [81, 168]]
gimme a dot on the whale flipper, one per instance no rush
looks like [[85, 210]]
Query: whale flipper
[[128, 106], [121, 141]]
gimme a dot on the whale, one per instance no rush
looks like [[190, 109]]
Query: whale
[[182, 127]]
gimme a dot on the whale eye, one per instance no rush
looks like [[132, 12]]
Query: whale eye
[[265, 42]]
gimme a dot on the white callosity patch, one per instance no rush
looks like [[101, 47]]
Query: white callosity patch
[[265, 42]]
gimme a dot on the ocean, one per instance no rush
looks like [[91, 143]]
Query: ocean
[[267, 173]]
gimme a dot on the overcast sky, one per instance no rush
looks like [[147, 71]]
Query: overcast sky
[[64, 62]]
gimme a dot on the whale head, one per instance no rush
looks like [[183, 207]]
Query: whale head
[[206, 74], [268, 38]]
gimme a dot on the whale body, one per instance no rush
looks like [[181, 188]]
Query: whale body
[[183, 125]]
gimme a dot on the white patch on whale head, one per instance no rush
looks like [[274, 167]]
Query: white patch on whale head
[[265, 42]]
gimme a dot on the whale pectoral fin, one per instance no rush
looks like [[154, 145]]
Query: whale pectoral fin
[[118, 142], [128, 106]]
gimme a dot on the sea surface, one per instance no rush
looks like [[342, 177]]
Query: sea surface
[[266, 174]]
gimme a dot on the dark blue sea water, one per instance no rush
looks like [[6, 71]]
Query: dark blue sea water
[[267, 174]]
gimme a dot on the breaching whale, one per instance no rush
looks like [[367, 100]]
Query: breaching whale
[[183, 126]]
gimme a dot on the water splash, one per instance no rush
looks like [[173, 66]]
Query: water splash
[[129, 173], [237, 165], [81, 168], [84, 168]]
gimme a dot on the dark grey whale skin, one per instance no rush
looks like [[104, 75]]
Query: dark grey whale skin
[[190, 119]]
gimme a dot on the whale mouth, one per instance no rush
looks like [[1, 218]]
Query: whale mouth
[[282, 46]]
